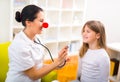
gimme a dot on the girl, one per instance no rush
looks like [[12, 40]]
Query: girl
[[26, 56], [94, 63]]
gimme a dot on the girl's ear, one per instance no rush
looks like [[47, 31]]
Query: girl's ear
[[98, 35]]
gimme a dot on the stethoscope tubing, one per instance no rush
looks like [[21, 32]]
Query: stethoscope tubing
[[60, 66]]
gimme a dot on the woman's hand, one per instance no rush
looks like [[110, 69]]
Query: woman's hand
[[35, 73], [62, 56]]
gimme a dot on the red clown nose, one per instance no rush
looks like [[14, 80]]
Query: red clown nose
[[45, 25]]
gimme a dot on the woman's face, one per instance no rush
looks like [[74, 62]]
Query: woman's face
[[89, 36], [36, 25]]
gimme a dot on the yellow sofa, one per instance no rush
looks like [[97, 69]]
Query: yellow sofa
[[65, 74], [3, 60]]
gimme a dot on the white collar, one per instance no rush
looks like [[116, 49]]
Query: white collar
[[26, 38]]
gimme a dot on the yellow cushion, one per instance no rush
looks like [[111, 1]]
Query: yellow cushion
[[69, 71], [3, 60], [49, 77]]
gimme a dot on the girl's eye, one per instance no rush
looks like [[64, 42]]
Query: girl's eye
[[83, 30], [87, 31]]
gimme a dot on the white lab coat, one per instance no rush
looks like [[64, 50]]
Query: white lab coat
[[23, 54]]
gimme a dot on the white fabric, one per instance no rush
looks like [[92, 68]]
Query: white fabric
[[94, 66], [23, 54]]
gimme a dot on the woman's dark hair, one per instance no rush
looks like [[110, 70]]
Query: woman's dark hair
[[28, 13]]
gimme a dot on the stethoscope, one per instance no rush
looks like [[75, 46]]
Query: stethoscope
[[45, 25]]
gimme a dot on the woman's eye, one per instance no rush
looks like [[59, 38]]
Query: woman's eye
[[41, 20]]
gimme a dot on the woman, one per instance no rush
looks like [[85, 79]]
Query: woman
[[26, 56]]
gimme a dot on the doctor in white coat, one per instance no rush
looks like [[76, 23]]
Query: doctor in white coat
[[26, 56]]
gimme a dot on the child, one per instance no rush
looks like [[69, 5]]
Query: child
[[94, 62]]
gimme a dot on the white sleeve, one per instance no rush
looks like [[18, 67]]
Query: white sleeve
[[104, 65], [22, 58]]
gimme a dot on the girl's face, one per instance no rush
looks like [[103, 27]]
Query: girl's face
[[89, 36], [36, 25]]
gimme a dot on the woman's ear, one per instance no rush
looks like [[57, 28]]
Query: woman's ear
[[28, 23]]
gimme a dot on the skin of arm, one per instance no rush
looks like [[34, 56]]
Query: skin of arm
[[35, 73]]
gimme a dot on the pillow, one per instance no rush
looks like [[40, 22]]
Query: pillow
[[49, 77]]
